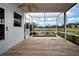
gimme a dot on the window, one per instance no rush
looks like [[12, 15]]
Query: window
[[2, 32], [17, 20]]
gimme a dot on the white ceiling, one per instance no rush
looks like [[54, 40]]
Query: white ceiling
[[48, 7]]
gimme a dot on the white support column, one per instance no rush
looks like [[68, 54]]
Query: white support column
[[44, 21], [32, 25], [56, 26], [65, 24], [29, 27], [24, 26]]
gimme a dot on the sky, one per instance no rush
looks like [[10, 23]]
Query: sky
[[73, 14], [72, 17], [45, 21]]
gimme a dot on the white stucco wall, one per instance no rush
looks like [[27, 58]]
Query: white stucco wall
[[14, 35]]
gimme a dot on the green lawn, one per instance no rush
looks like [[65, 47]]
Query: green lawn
[[73, 29], [59, 29], [69, 30]]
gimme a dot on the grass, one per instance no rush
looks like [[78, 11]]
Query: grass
[[73, 29], [59, 29]]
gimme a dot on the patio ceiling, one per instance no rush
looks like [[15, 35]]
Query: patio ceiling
[[46, 7], [50, 9]]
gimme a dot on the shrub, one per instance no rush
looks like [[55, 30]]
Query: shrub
[[71, 38], [77, 41], [61, 34], [34, 33], [74, 39]]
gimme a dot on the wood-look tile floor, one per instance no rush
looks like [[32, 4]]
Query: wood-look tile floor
[[43, 46]]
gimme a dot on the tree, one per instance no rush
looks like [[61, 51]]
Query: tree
[[34, 24]]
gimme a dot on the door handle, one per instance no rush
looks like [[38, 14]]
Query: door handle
[[6, 28]]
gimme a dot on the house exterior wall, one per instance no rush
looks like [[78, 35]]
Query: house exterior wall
[[14, 35]]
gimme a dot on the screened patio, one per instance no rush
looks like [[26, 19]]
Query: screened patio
[[50, 29], [51, 24]]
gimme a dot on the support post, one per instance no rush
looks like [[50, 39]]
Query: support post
[[32, 25], [56, 26], [65, 25], [44, 21], [24, 26]]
